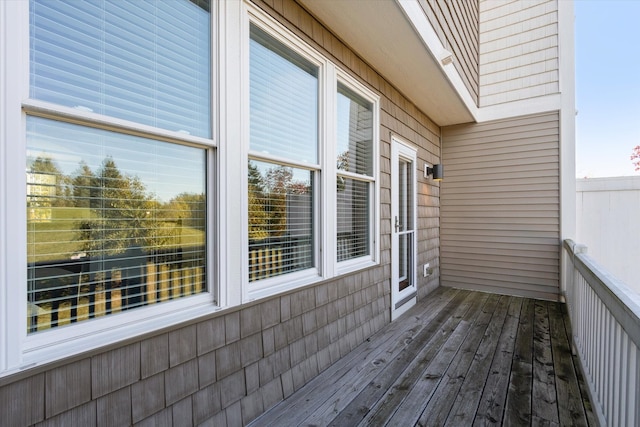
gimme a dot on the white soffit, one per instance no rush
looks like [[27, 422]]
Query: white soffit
[[381, 34]]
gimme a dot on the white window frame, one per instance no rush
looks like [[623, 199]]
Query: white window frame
[[374, 209], [21, 350], [270, 286], [325, 204]]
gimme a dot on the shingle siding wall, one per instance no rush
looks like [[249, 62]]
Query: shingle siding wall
[[500, 206], [456, 23], [207, 371], [518, 50], [228, 368]]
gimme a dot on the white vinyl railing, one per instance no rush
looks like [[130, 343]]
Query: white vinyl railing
[[605, 324]]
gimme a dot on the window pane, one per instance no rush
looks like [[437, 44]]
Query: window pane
[[283, 100], [405, 258], [405, 194], [148, 62], [355, 133], [280, 220], [114, 222], [353, 218]]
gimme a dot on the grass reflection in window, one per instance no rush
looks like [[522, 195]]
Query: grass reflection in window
[[101, 240]]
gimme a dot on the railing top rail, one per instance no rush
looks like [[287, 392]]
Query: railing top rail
[[622, 302]]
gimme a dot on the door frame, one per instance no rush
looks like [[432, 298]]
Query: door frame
[[403, 300]]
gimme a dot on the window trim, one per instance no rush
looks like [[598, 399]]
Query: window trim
[[270, 286], [374, 236], [14, 20], [98, 331]]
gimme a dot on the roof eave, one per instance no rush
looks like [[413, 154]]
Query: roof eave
[[391, 36]]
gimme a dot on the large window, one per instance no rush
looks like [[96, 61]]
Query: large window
[[116, 195], [283, 162], [311, 169]]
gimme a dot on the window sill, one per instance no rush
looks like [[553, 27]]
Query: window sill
[[346, 267], [45, 347]]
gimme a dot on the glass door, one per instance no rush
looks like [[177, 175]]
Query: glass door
[[403, 217]]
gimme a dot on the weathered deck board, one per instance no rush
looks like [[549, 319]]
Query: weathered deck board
[[571, 409], [468, 399], [457, 358], [416, 355], [494, 395], [335, 383], [545, 409], [583, 391], [439, 406], [518, 404], [419, 383]]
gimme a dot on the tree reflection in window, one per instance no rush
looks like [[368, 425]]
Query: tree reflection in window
[[280, 219], [110, 233]]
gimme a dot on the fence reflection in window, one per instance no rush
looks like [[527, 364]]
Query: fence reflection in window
[[114, 222]]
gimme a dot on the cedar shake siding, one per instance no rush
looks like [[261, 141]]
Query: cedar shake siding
[[500, 206]]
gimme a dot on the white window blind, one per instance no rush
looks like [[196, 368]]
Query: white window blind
[[144, 61], [353, 218], [355, 133], [114, 222], [283, 100]]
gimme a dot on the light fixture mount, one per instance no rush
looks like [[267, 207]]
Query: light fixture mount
[[446, 57], [436, 171]]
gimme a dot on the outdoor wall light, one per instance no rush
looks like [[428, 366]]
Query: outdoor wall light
[[437, 171]]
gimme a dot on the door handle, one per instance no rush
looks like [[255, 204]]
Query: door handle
[[398, 225]]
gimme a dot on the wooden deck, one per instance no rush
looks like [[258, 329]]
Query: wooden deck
[[458, 358]]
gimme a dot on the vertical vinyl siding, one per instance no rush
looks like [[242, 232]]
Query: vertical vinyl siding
[[500, 206], [518, 50], [456, 23]]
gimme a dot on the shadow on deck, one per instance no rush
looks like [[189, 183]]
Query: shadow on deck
[[457, 358]]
